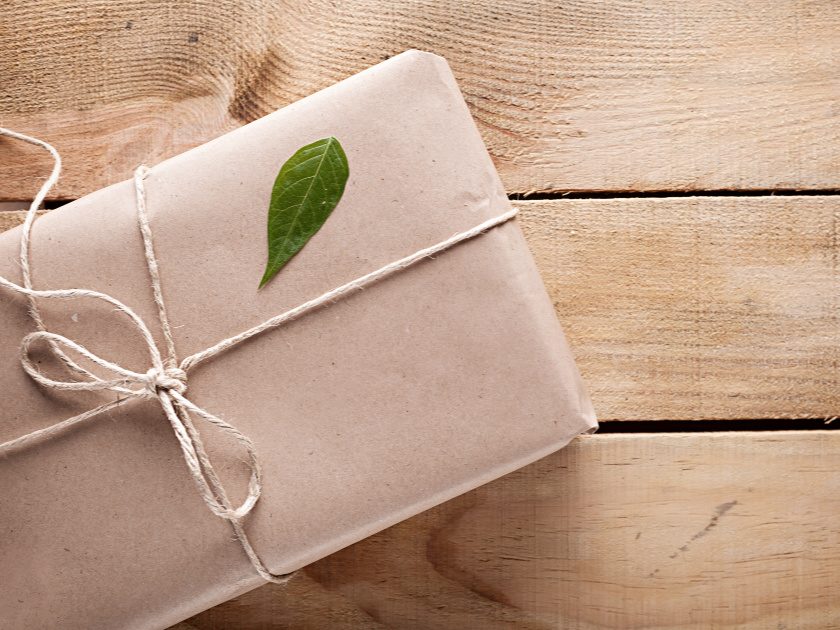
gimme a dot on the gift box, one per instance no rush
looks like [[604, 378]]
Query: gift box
[[378, 405]]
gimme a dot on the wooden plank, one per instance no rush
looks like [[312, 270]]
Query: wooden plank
[[569, 96], [697, 307], [694, 308], [11, 214], [726, 530]]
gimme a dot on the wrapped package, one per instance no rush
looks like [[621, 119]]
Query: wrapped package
[[363, 413]]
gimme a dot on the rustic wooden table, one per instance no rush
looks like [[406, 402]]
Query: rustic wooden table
[[677, 166]]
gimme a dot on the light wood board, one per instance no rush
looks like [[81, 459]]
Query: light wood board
[[689, 531], [699, 307], [615, 95], [694, 308]]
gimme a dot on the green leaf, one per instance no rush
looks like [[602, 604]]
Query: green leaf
[[306, 191]]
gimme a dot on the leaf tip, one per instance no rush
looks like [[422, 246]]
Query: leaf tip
[[334, 142], [267, 276]]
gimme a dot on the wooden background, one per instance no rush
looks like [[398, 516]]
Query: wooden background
[[682, 165]]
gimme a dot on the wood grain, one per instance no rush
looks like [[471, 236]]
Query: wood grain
[[699, 307], [615, 95], [694, 308], [9, 217], [689, 531], [9, 220]]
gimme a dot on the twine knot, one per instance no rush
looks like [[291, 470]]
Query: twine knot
[[171, 379]]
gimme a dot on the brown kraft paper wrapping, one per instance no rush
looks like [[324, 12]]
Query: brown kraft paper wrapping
[[381, 405]]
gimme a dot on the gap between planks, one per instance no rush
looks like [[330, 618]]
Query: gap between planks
[[11, 205], [647, 194]]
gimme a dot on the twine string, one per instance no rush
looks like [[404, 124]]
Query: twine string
[[166, 380]]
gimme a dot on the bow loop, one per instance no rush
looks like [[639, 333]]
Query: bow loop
[[166, 385], [120, 382]]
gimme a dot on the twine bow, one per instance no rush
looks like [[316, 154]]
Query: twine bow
[[166, 385], [166, 380]]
